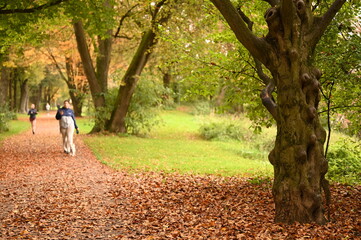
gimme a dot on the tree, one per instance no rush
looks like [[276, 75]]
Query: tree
[[23, 23], [74, 78], [287, 52], [131, 77]]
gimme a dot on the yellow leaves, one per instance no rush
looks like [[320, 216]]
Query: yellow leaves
[[8, 64]]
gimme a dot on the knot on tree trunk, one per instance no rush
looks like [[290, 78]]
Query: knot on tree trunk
[[311, 86], [300, 154], [300, 7], [272, 17]]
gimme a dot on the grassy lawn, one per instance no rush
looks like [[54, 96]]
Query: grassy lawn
[[15, 127], [175, 146]]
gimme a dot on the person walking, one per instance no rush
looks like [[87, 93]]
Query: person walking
[[67, 123], [32, 117], [47, 107]]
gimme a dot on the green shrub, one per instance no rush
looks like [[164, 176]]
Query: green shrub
[[224, 129], [143, 110], [344, 160], [201, 108], [5, 117]]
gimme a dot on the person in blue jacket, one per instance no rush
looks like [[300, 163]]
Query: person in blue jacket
[[32, 117], [67, 123]]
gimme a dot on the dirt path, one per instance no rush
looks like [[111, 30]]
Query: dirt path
[[46, 194], [41, 187]]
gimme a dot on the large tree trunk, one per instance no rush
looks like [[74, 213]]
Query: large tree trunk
[[24, 94], [298, 158], [130, 79], [14, 89], [4, 83], [39, 93], [77, 95], [97, 77]]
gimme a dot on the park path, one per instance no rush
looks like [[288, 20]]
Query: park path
[[40, 183], [46, 194]]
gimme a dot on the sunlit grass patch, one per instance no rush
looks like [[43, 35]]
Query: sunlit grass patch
[[176, 146], [15, 127]]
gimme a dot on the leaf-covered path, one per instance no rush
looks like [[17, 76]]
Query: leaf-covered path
[[46, 194]]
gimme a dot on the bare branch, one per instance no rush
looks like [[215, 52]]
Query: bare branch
[[322, 24], [342, 107], [31, 10], [258, 47], [124, 37], [266, 94], [4, 6], [157, 8], [245, 18], [127, 14], [52, 57]]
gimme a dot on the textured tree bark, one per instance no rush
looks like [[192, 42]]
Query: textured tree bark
[[4, 83], [131, 77], [39, 95], [95, 87], [97, 77], [76, 95], [24, 94], [298, 158], [129, 82]]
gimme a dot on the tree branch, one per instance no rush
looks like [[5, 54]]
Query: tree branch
[[127, 14], [258, 47], [337, 107], [322, 24], [266, 94], [31, 10], [52, 57]]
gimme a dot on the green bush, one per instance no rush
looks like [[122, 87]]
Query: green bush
[[5, 117], [344, 160], [143, 110], [201, 108], [224, 129]]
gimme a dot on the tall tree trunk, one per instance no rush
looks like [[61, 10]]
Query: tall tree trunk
[[97, 80], [77, 97], [167, 78], [298, 158], [24, 94], [4, 83], [39, 95], [130, 79], [15, 80]]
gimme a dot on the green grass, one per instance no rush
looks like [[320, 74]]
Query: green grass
[[15, 127], [84, 124], [175, 146]]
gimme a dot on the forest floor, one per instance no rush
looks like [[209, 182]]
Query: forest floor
[[46, 194]]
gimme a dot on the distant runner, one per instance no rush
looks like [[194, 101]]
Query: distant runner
[[32, 113]]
